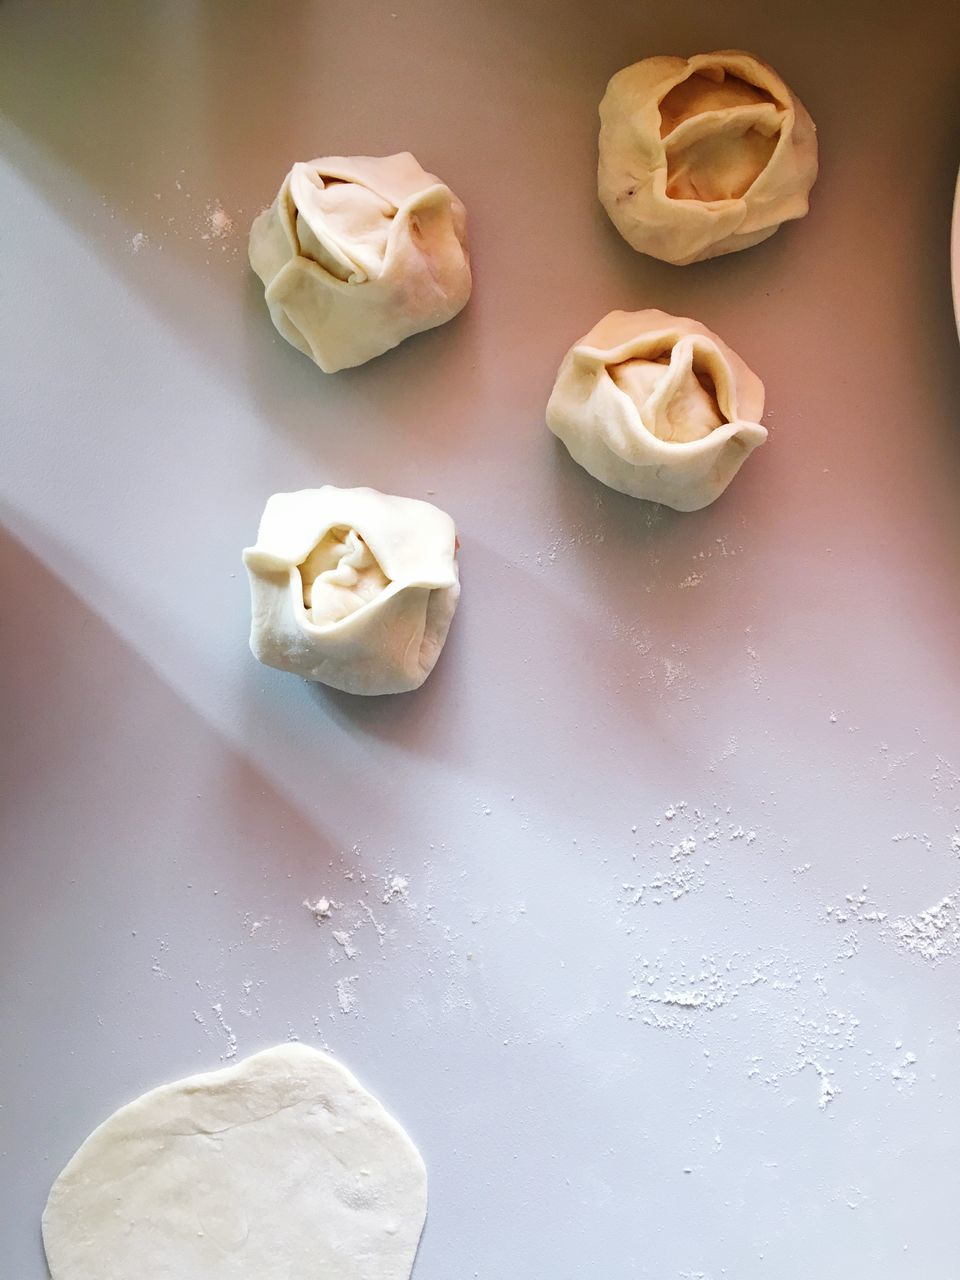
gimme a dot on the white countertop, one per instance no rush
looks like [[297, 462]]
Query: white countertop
[[652, 992]]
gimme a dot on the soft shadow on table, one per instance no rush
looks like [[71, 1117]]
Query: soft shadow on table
[[490, 686], [128, 122], [359, 422], [71, 683], [425, 719], [674, 557], [488, 678]]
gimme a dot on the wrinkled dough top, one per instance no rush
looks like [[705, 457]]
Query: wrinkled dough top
[[339, 576], [341, 225]]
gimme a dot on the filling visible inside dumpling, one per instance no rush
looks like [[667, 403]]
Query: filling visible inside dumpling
[[342, 226], [340, 575], [686, 409], [709, 89], [721, 157]]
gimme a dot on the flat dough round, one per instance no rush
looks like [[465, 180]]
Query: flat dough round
[[279, 1168]]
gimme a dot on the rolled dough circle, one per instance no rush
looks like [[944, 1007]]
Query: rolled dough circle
[[281, 1167]]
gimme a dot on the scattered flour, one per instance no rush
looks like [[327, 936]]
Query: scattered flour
[[684, 849], [693, 999], [857, 907], [932, 934], [255, 927], [346, 993], [661, 887], [567, 539], [672, 671], [345, 939], [849, 946], [219, 222], [231, 1049], [396, 889], [785, 1006], [921, 837], [828, 1090], [902, 1072], [944, 777], [320, 909], [753, 662], [379, 929], [668, 999], [206, 220], [689, 856], [250, 997], [720, 548], [353, 918]]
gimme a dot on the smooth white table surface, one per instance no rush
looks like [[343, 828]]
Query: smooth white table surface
[[630, 1045]]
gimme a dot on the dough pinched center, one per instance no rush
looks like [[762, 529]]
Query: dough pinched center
[[675, 393], [339, 576], [343, 227]]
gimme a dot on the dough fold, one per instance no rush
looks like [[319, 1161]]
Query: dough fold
[[658, 407], [357, 253], [703, 156], [353, 588]]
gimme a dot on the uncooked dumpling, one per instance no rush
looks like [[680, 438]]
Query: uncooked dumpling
[[353, 588], [658, 407], [357, 253], [279, 1168], [703, 156]]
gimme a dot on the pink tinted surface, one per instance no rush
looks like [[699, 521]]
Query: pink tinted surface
[[653, 1000]]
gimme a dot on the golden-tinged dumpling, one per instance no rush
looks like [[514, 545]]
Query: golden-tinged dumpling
[[703, 156]]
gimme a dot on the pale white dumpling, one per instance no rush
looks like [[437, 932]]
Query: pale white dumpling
[[357, 253], [657, 407], [703, 156], [353, 588], [280, 1167]]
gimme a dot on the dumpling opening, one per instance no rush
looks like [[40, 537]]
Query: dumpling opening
[[343, 227], [639, 378], [339, 576], [691, 408], [724, 162], [721, 167], [710, 89]]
